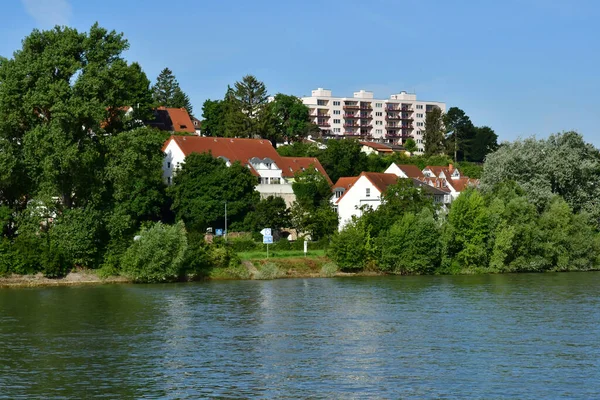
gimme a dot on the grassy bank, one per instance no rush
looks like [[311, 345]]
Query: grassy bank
[[260, 255]]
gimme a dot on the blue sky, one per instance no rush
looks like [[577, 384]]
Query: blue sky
[[527, 67]]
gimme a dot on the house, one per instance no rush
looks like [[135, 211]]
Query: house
[[405, 171], [197, 125], [175, 120], [375, 148], [366, 190], [274, 173], [448, 178]]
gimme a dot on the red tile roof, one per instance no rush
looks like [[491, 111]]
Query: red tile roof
[[346, 182], [381, 180], [180, 119], [461, 184], [412, 171], [242, 150]]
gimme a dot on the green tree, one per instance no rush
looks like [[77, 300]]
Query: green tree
[[434, 133], [202, 187], [563, 164], [157, 255], [410, 145], [412, 245], [167, 92], [460, 132], [291, 119], [343, 158], [299, 149], [213, 112], [312, 212], [270, 212], [351, 247], [246, 114], [484, 142]]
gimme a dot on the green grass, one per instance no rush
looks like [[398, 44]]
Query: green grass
[[260, 255]]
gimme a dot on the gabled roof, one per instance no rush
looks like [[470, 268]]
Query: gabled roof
[[428, 188], [381, 180], [460, 184], [412, 171], [243, 150], [173, 120], [345, 182], [437, 170]]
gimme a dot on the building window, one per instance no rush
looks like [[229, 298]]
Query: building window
[[368, 192], [336, 121], [419, 106], [378, 122], [419, 124], [336, 112], [337, 130], [321, 102], [336, 103], [378, 131], [378, 105], [378, 114], [168, 165], [419, 115]]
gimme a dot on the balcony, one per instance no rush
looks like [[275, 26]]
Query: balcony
[[366, 107], [350, 116], [405, 127], [351, 125], [323, 124], [351, 107], [405, 109], [365, 116], [407, 119], [392, 127], [393, 118], [366, 126]]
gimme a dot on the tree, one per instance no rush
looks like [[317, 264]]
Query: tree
[[343, 158], [203, 185], [291, 119], [166, 92], [312, 212], [270, 212], [412, 245], [56, 97], [484, 142], [434, 133], [460, 132], [213, 112], [410, 145], [246, 113], [563, 164], [158, 254]]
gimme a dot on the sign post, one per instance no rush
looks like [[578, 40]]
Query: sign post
[[305, 248], [267, 238]]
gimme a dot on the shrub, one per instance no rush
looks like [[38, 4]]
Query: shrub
[[329, 269], [158, 254], [269, 271]]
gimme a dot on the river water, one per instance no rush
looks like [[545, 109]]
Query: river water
[[499, 336]]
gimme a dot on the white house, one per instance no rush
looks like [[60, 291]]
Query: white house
[[274, 173], [405, 171], [448, 179]]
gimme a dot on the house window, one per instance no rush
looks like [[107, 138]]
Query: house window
[[168, 165], [268, 165], [337, 130], [336, 103], [336, 112], [378, 113], [336, 121], [378, 131], [419, 106], [378, 122], [321, 102], [419, 115], [419, 124], [368, 192], [378, 105]]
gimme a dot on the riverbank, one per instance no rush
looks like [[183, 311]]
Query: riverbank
[[255, 269]]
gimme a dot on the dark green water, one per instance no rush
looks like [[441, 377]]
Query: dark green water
[[505, 336]]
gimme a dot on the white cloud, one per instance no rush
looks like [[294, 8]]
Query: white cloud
[[48, 13]]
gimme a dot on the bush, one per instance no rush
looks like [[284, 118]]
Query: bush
[[222, 257], [329, 269], [158, 254], [269, 271], [243, 244]]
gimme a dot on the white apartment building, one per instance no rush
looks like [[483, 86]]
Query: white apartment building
[[392, 120]]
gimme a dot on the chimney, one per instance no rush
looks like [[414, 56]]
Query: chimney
[[451, 168]]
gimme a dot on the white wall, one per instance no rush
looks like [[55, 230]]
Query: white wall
[[174, 157], [393, 169], [356, 197]]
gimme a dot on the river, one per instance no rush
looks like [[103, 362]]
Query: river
[[495, 336]]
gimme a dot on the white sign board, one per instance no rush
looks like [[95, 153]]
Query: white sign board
[[267, 239], [266, 232]]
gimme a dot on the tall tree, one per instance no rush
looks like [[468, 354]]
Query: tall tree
[[484, 142], [434, 133], [247, 108], [213, 112], [460, 132], [167, 92]]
